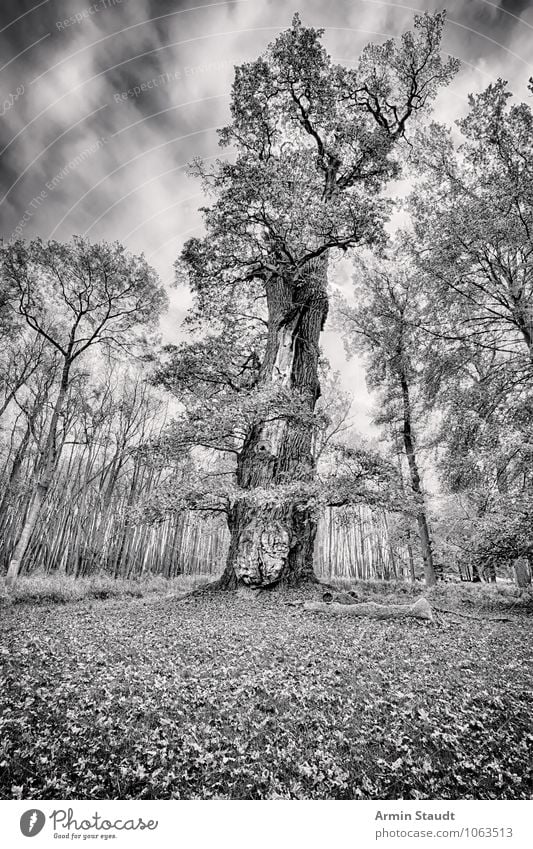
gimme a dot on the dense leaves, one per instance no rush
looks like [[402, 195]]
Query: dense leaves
[[207, 699]]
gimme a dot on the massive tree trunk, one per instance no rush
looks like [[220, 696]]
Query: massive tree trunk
[[416, 485], [273, 541]]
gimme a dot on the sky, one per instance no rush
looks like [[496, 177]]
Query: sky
[[103, 104]]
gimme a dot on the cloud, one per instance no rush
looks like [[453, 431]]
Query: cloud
[[90, 85]]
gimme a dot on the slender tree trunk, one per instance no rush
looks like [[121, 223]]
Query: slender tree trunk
[[490, 573], [416, 485], [7, 400], [502, 478], [125, 538], [524, 321], [389, 545], [274, 542], [14, 477], [398, 450], [37, 501], [412, 574], [48, 466]]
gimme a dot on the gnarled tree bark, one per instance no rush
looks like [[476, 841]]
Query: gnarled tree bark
[[274, 543]]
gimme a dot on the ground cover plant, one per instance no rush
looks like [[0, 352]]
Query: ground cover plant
[[202, 697]]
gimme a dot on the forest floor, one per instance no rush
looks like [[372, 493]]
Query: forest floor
[[223, 697]]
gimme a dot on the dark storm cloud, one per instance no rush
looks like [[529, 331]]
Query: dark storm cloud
[[118, 99], [497, 21], [80, 71], [515, 7]]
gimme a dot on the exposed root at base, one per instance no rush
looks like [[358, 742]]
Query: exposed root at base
[[225, 584], [471, 615]]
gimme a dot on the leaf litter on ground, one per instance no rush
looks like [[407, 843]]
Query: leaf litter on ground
[[223, 697]]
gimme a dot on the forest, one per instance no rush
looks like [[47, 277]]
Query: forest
[[129, 459], [213, 493]]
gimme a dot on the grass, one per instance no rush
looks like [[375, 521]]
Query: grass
[[500, 596], [223, 697], [61, 589]]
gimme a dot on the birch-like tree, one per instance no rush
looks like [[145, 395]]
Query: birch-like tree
[[74, 298], [382, 321]]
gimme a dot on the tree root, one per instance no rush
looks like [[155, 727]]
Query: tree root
[[421, 609], [227, 583], [473, 616]]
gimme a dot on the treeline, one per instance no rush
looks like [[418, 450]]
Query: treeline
[[444, 318], [234, 449], [107, 427]]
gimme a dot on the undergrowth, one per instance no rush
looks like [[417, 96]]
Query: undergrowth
[[62, 589], [483, 596], [41, 589]]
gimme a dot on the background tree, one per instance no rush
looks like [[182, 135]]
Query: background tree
[[381, 321], [73, 298], [473, 218], [484, 437]]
